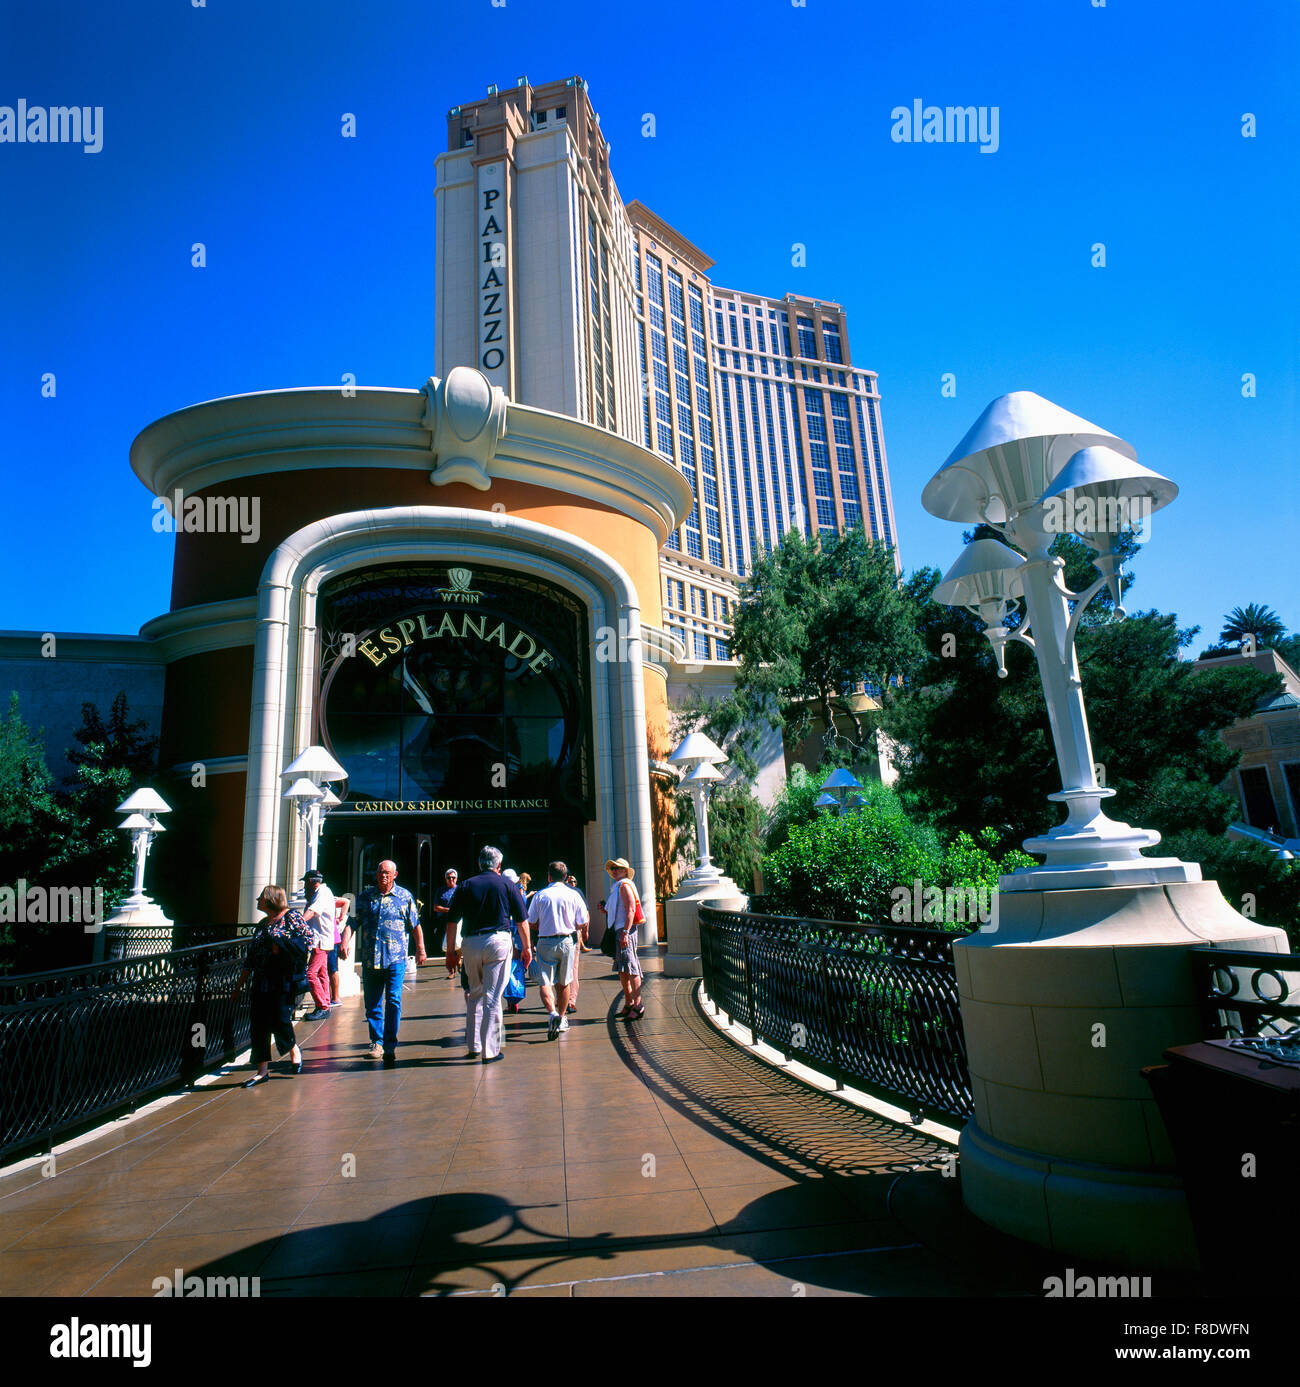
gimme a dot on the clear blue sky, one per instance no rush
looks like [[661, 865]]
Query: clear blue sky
[[1120, 124]]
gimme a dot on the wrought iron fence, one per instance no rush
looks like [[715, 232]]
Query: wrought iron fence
[[1247, 994], [138, 941], [80, 1044], [861, 1004]]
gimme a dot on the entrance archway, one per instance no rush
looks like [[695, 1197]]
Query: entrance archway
[[285, 715]]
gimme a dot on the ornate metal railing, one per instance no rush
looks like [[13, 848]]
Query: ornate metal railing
[[139, 941], [874, 1007], [80, 1044], [1247, 994]]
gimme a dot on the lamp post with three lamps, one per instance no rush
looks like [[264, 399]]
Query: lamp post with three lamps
[[1082, 976]]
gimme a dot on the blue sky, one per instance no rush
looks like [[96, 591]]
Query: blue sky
[[1119, 124]]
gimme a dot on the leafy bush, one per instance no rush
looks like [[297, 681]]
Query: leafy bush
[[847, 868], [857, 867]]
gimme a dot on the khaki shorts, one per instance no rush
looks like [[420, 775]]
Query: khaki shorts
[[557, 956]]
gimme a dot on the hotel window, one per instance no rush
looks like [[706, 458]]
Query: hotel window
[[719, 607], [807, 338], [831, 341], [466, 138], [561, 113], [540, 118], [1257, 798], [724, 651], [701, 646]]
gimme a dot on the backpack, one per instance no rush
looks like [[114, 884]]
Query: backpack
[[296, 937]]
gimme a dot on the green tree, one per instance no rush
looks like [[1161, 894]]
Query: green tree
[[114, 756], [815, 618], [25, 800], [1254, 619]]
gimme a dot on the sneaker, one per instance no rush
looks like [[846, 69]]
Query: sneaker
[[573, 1006], [553, 1026], [375, 1051], [319, 1014], [563, 1026]]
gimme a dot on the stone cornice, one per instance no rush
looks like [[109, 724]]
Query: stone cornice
[[221, 441], [196, 630]]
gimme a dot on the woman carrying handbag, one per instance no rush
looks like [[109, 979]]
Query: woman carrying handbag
[[623, 914]]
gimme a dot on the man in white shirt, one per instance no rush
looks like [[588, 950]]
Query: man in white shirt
[[319, 916], [559, 912]]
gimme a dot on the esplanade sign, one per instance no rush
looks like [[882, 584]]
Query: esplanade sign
[[460, 626]]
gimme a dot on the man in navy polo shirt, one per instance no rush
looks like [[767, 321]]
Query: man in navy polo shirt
[[486, 904]]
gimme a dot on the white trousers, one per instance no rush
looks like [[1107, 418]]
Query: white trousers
[[487, 970]]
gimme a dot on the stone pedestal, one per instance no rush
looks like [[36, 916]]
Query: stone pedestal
[[1064, 998], [682, 919], [137, 911]]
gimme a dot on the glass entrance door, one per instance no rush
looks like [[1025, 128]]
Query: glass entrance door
[[424, 846]]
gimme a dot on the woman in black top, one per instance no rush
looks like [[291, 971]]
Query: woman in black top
[[276, 956]]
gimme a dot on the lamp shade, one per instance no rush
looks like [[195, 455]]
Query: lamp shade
[[697, 747], [704, 773], [1101, 491], [841, 780], [304, 790], [144, 801], [315, 760], [985, 571], [1009, 457], [826, 802], [329, 799], [135, 821]]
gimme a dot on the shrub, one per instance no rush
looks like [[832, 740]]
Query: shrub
[[847, 867]]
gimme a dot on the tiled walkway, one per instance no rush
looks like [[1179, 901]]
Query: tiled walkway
[[651, 1158]]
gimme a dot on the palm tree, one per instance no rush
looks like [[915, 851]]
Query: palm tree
[[1252, 620]]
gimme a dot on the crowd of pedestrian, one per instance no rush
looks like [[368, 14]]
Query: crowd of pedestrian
[[489, 923]]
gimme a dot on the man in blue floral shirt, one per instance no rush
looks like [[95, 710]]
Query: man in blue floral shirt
[[384, 914]]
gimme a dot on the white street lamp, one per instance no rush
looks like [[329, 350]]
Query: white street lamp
[[141, 809], [697, 748], [698, 784], [1030, 470], [307, 799], [315, 770], [317, 765], [698, 756]]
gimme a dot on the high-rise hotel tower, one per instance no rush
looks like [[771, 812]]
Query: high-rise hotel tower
[[573, 301]]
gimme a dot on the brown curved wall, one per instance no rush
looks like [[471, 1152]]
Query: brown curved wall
[[218, 567], [207, 703]]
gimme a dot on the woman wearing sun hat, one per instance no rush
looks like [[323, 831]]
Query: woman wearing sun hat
[[623, 912]]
